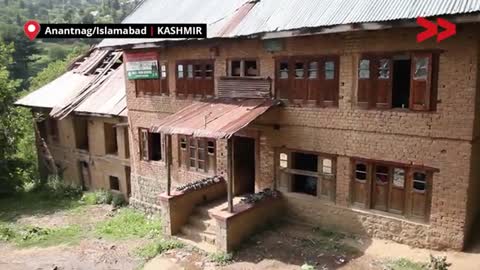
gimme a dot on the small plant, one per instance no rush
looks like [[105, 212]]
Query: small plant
[[307, 266], [221, 258], [104, 196], [118, 200], [153, 249], [6, 233], [56, 188], [256, 197], [89, 198], [404, 264], [438, 263], [200, 183], [36, 233]]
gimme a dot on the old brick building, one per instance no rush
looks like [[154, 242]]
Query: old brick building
[[81, 118], [374, 134]]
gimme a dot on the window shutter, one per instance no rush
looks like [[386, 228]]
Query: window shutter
[[365, 82], [144, 144], [383, 81], [421, 81]]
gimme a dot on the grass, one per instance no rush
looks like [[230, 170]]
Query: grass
[[128, 223], [153, 249], [404, 264], [29, 236], [221, 258]]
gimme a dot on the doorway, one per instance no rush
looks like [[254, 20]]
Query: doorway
[[84, 175], [244, 165]]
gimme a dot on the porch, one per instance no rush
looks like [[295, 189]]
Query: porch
[[218, 212]]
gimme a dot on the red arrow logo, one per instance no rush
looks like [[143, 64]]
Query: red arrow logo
[[432, 29]]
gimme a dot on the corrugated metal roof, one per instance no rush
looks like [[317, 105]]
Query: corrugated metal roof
[[282, 15], [57, 92], [90, 87], [109, 98], [214, 118]]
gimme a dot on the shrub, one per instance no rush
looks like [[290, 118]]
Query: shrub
[[118, 200], [438, 263], [104, 197], [153, 249], [221, 258], [56, 188], [6, 233]]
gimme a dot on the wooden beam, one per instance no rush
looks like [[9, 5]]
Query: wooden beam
[[168, 161], [231, 172]]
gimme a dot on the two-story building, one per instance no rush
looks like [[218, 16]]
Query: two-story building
[[81, 124], [334, 104]]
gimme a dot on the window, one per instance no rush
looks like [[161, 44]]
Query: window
[[402, 80], [110, 133], [81, 133], [195, 77], [150, 145], [307, 173], [313, 79], [242, 68], [114, 183], [387, 188], [155, 87], [53, 129], [197, 154]]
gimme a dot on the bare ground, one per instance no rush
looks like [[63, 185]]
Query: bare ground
[[285, 247]]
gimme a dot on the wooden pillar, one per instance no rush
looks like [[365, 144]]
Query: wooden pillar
[[168, 161], [231, 174]]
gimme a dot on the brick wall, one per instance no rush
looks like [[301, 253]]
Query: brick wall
[[440, 139]]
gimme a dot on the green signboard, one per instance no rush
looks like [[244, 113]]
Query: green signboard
[[144, 69]]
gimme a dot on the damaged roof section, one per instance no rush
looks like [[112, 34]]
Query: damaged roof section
[[213, 119], [235, 18], [94, 84]]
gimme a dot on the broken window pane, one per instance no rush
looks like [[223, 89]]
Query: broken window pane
[[183, 143], [198, 71], [251, 68], [384, 69], [364, 69], [211, 147], [419, 181], [361, 172], [190, 71], [399, 177], [329, 70], [235, 68], [421, 68], [327, 166], [180, 71], [284, 70], [163, 69], [381, 174], [313, 70], [114, 183], [208, 71], [283, 160], [299, 71]]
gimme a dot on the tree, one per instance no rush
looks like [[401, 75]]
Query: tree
[[88, 19]]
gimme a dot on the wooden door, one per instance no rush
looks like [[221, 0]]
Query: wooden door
[[360, 184], [383, 81], [381, 187], [420, 84], [397, 191], [85, 175]]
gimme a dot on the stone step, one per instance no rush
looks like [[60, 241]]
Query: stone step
[[198, 235], [202, 245], [202, 222]]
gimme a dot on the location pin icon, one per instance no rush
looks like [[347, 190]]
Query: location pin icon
[[31, 29]]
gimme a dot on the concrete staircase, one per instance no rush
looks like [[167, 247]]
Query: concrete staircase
[[200, 230]]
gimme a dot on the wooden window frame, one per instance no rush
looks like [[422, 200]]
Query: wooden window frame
[[195, 86], [242, 67], [376, 92], [53, 130], [192, 144], [157, 87], [320, 90], [326, 182], [402, 193], [112, 177], [145, 137]]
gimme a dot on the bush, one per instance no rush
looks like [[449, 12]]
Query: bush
[[221, 258], [6, 233], [56, 188], [118, 200], [153, 249], [438, 263], [104, 197]]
